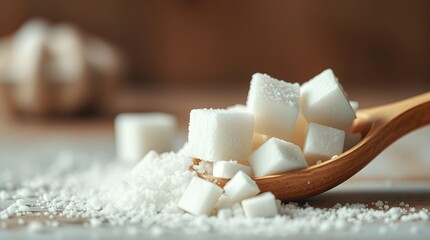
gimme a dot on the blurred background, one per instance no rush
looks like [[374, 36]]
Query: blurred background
[[184, 54]]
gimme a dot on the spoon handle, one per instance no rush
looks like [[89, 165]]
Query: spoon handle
[[397, 119], [416, 106]]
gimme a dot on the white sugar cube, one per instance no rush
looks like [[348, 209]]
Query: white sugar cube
[[238, 108], [219, 134], [354, 105], [299, 134], [323, 101], [225, 213], [224, 202], [227, 169], [200, 197], [275, 105], [263, 205], [138, 133], [322, 143], [276, 156], [240, 187]]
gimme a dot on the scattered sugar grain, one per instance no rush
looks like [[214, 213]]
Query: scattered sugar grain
[[149, 201], [379, 204]]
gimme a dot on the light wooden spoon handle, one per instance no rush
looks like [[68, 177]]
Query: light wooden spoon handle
[[390, 122]]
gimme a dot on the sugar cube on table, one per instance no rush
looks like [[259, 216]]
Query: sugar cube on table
[[200, 197], [227, 169], [275, 105], [138, 133], [276, 156], [219, 134], [323, 101], [263, 205], [240, 187], [322, 143]]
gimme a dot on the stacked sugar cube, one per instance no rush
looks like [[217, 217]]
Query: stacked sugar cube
[[283, 127]]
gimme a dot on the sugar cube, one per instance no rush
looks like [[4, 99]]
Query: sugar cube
[[200, 197], [219, 134], [227, 169], [299, 133], [276, 156], [275, 105], [225, 213], [354, 105], [240, 187], [323, 101], [263, 205], [238, 108], [138, 133], [224, 202], [322, 143]]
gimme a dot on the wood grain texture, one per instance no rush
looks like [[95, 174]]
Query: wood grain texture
[[380, 127]]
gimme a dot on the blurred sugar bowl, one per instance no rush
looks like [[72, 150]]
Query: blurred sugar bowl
[[49, 70]]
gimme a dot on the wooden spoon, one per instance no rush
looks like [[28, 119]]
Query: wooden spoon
[[380, 127]]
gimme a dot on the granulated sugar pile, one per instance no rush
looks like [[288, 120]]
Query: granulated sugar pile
[[107, 193]]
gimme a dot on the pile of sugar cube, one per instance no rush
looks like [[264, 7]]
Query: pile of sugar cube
[[282, 127]]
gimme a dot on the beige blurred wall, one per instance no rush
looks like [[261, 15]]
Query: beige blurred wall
[[215, 43]]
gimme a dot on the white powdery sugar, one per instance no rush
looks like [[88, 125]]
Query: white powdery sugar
[[107, 194], [157, 188]]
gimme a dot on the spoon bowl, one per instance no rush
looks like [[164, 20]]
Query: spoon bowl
[[380, 126]]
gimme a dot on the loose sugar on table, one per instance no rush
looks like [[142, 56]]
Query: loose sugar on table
[[149, 201]]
